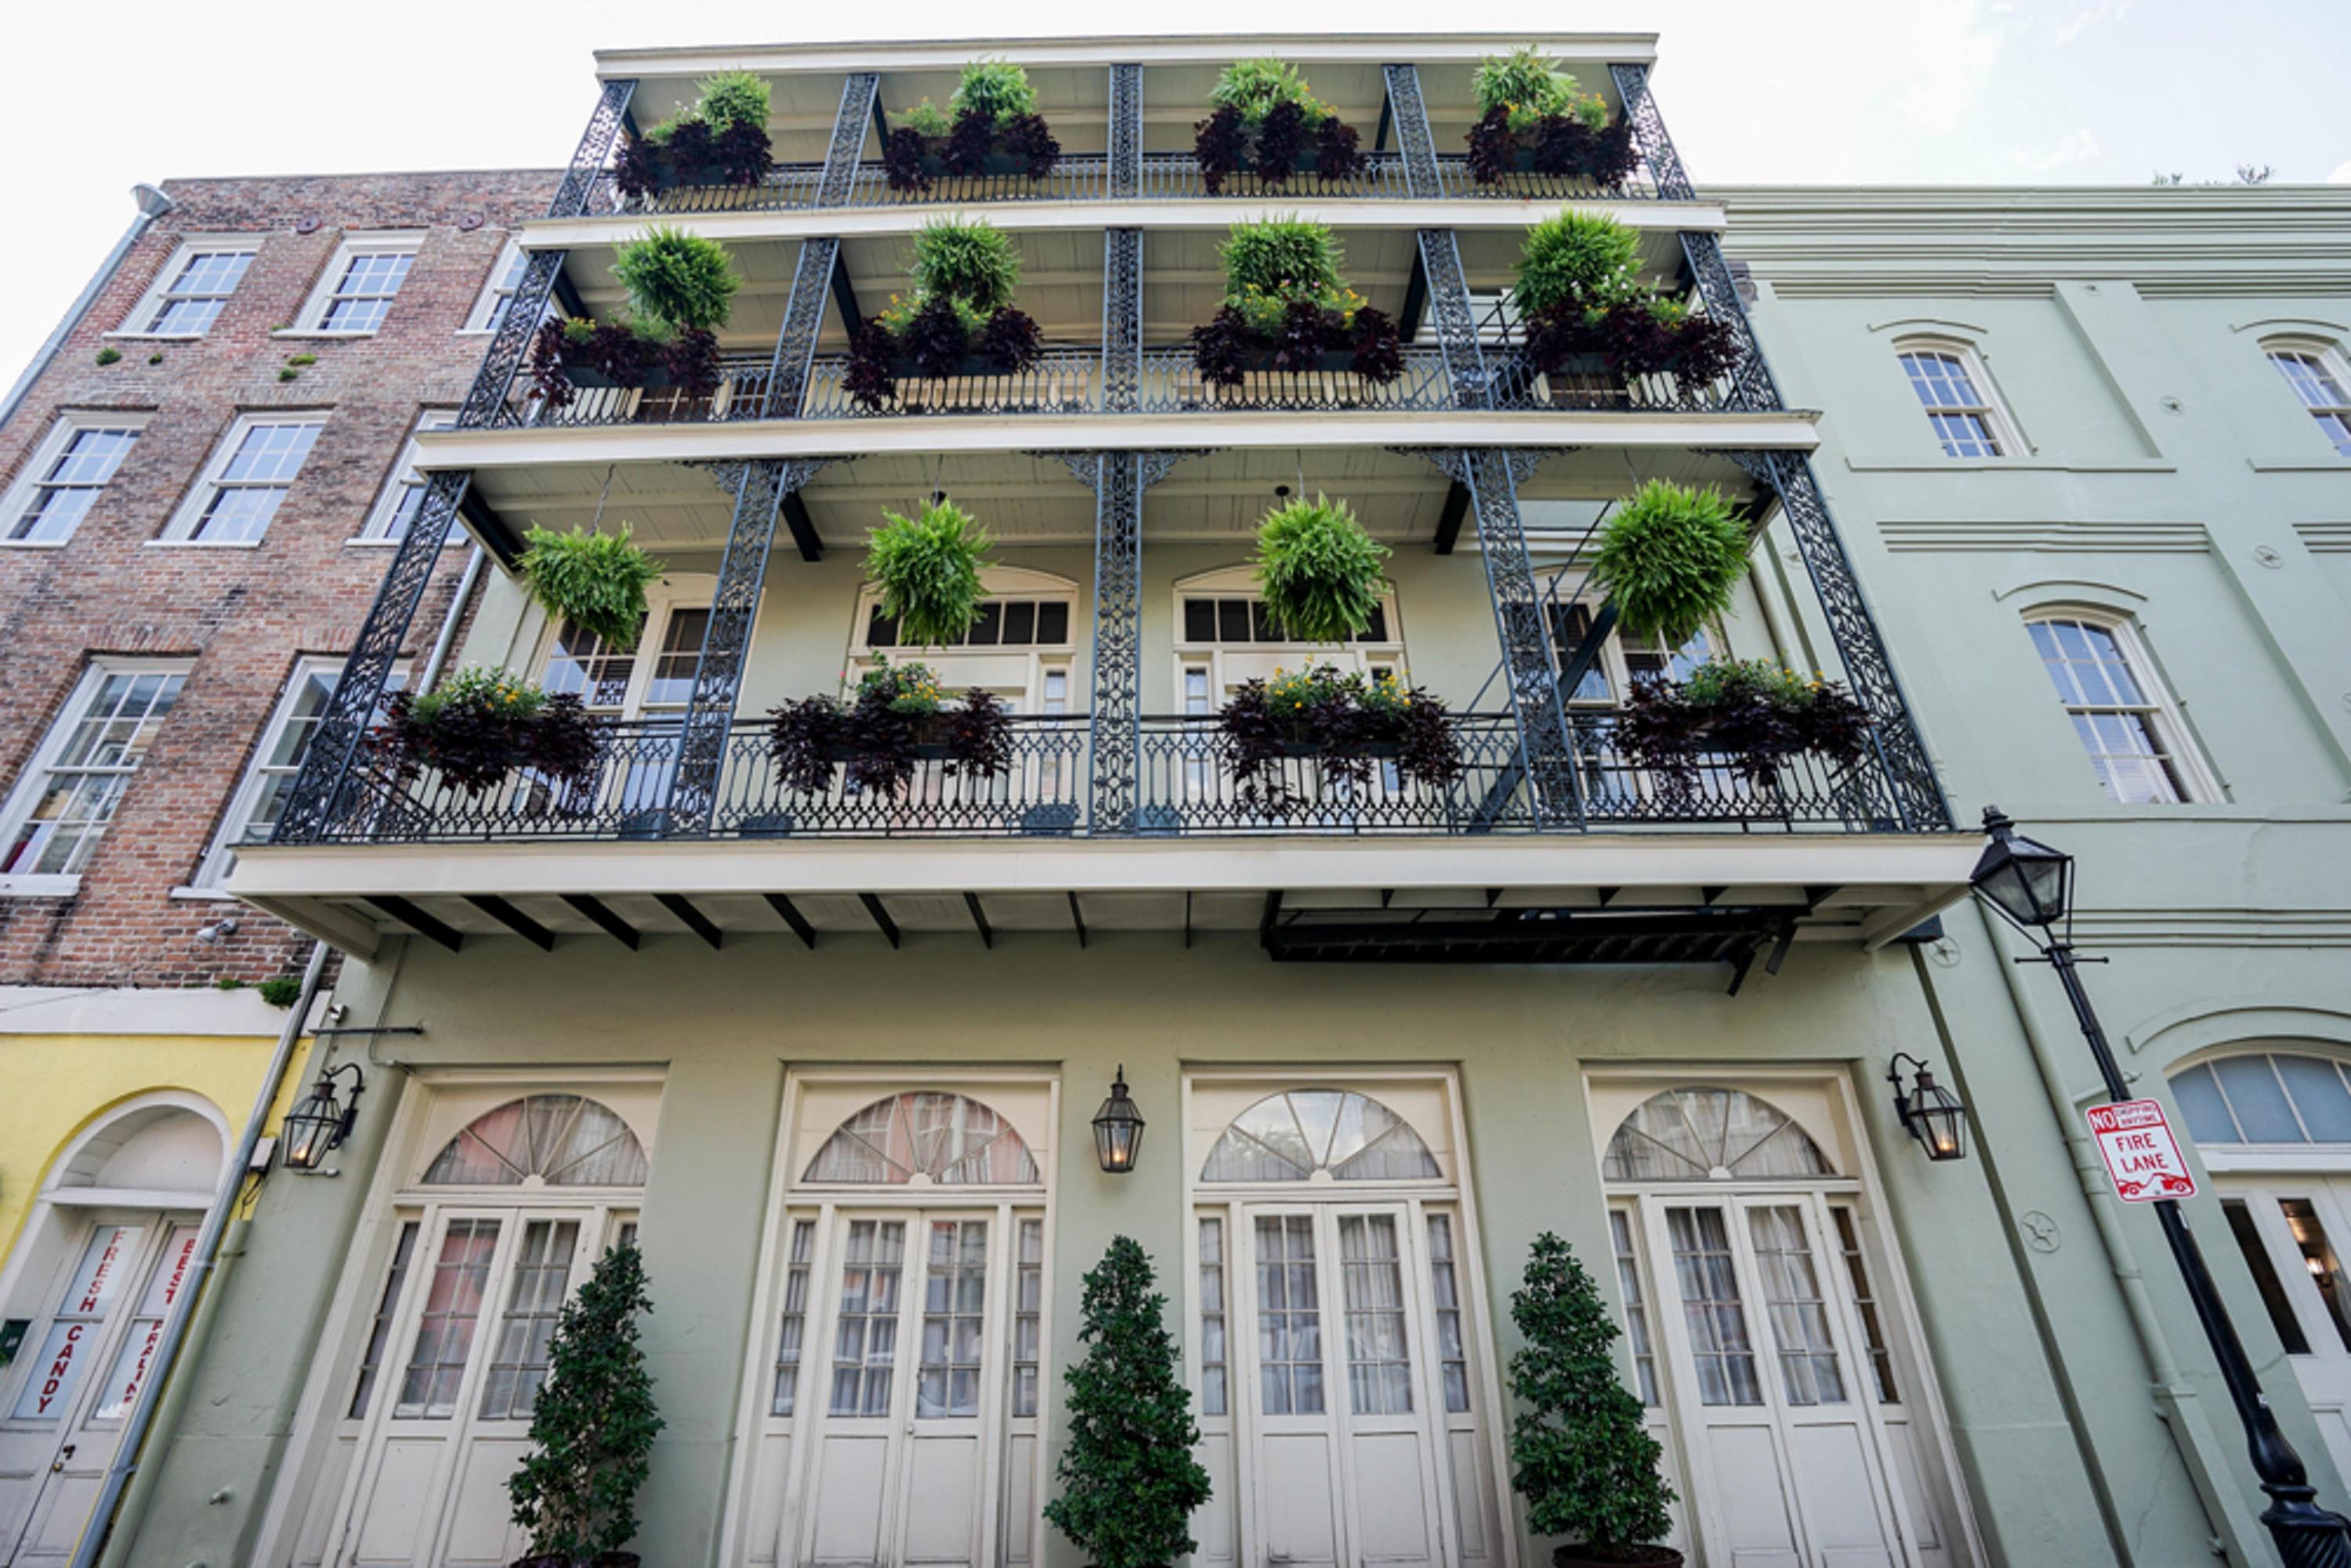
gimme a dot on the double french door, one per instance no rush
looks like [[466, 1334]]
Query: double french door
[[904, 1396], [78, 1373], [439, 1413], [1798, 1438], [2288, 1226], [1359, 1445]]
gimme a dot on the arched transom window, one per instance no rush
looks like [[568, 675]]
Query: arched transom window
[[1294, 1136], [950, 1139], [1703, 1134], [2273, 1097], [550, 1140]]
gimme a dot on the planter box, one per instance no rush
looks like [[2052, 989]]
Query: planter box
[[1330, 361], [1379, 750], [669, 176], [656, 377], [936, 165], [901, 368]]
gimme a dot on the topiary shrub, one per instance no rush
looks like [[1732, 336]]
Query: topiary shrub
[[593, 1423], [1581, 259], [595, 580], [1129, 1482], [1669, 558], [677, 280], [1321, 574], [1578, 1452], [927, 567]]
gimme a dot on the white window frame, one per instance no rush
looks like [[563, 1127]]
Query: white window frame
[[1991, 408], [376, 529], [2331, 364], [26, 792], [159, 288], [1215, 654], [390, 242], [237, 818], [2198, 784], [33, 477], [481, 320], [181, 529]]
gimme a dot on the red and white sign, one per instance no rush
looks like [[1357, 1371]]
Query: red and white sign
[[2142, 1156]]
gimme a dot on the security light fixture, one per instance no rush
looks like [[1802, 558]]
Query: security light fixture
[[1118, 1129], [318, 1126], [1933, 1114]]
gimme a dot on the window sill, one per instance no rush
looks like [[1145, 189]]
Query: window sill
[[204, 544], [47, 887], [36, 544], [2299, 465], [202, 895], [321, 333], [153, 336]]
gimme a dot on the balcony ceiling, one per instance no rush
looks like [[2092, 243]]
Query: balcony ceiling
[[1028, 500]]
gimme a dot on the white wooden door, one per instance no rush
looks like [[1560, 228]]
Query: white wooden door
[[2288, 1226], [452, 1418], [902, 1467], [1787, 1458], [1339, 1406], [77, 1379]]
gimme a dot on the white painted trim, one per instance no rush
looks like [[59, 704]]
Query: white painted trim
[[151, 299], [191, 511], [68, 423], [198, 1010], [235, 818], [376, 530], [355, 243], [56, 1190], [1587, 50], [2198, 781]]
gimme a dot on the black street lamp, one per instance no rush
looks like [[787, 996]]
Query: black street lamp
[[1932, 1113], [1118, 1129], [318, 1126], [2031, 886]]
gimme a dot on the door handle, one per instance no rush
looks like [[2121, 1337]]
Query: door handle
[[910, 1428], [58, 1464]]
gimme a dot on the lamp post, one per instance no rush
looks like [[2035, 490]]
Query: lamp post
[[2031, 886]]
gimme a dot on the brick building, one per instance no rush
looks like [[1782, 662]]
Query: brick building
[[195, 495]]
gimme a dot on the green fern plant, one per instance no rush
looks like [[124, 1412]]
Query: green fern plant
[[1525, 83], [595, 580], [1255, 86], [968, 259], [678, 280], [996, 90], [1321, 574], [1670, 558], [733, 98], [1577, 259], [927, 567], [1282, 257]]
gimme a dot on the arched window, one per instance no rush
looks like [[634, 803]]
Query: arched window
[[2314, 370], [1292, 1135], [1957, 395], [950, 1139], [551, 1140], [1702, 1134], [2121, 713], [2269, 1097]]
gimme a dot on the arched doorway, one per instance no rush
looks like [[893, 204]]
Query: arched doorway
[[1345, 1406], [503, 1220], [1765, 1341], [103, 1260], [2273, 1127], [899, 1376]]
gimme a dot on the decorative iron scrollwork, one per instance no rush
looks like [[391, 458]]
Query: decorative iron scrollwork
[[488, 403], [595, 147], [1457, 324], [1421, 176], [1752, 388], [1673, 182], [850, 123], [1121, 374], [1125, 131], [788, 375]]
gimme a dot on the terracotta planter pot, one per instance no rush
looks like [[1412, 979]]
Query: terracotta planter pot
[[1619, 1557]]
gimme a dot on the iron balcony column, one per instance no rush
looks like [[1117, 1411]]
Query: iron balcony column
[[1125, 156], [1423, 180], [612, 113], [1666, 170], [1491, 474], [1122, 331], [1115, 748], [1753, 388], [859, 95], [795, 355]]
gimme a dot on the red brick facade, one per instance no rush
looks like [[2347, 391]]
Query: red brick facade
[[242, 616]]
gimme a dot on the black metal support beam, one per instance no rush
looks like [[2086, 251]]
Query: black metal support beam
[[601, 914], [1449, 521], [788, 372], [568, 295], [1267, 917], [604, 123], [488, 403], [1125, 131], [844, 299], [432, 926], [1115, 756], [1673, 182], [514, 920], [1078, 918], [677, 903], [803, 527], [498, 535], [979, 921], [1574, 667], [881, 118], [1387, 123], [859, 101], [783, 905], [881, 921]]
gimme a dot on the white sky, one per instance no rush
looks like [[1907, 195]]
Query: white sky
[[1798, 91]]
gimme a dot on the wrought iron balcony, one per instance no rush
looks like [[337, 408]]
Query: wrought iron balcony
[[1187, 789], [1085, 177], [1069, 380]]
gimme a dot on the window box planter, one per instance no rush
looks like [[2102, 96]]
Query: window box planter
[[1341, 721], [572, 356], [1751, 718], [894, 724], [913, 162], [1558, 145]]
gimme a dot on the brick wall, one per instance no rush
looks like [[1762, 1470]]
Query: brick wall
[[243, 617]]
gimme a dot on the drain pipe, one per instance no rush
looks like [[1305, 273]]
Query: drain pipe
[[207, 1267], [152, 205], [175, 1328]]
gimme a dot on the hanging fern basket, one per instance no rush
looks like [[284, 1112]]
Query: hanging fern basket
[[1670, 558], [1322, 575], [927, 567], [597, 582]]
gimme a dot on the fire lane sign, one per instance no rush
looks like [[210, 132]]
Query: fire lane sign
[[2142, 1157]]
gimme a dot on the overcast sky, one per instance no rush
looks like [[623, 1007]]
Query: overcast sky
[[1800, 92]]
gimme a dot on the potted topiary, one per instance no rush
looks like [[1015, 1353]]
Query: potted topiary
[[720, 140], [1342, 720], [597, 582], [1669, 558], [481, 724], [1288, 309], [1578, 1452], [592, 1427], [990, 126], [960, 320], [1129, 1482], [681, 289], [1750, 716], [1585, 311], [1266, 120], [896, 720], [1533, 118]]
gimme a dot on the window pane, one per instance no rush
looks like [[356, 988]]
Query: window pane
[[795, 1317], [379, 1328], [2200, 1103], [1214, 1355], [865, 1331], [2317, 1089], [2318, 1257], [445, 1333], [954, 1286], [1800, 1317], [2257, 1098], [1379, 1365], [1289, 1316], [2265, 1280], [1712, 1310], [533, 1297]]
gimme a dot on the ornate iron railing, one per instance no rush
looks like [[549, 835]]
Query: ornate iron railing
[[1069, 380], [1186, 786], [1085, 177]]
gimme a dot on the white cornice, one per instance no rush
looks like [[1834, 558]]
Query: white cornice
[[1175, 49]]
